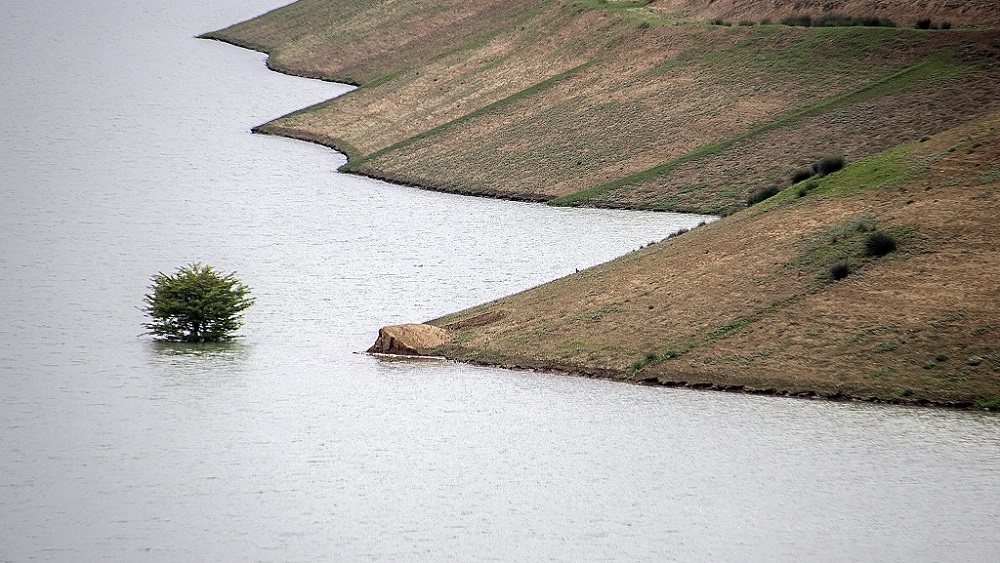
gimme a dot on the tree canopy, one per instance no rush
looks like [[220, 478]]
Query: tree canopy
[[196, 304]]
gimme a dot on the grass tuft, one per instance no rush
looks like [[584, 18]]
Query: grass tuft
[[828, 165], [806, 188], [840, 270], [801, 174], [762, 194], [837, 20], [879, 244], [989, 403]]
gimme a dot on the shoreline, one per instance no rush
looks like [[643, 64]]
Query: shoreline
[[736, 389], [213, 36], [731, 338], [261, 130], [616, 377], [267, 129]]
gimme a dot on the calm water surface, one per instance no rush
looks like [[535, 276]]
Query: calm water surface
[[124, 151]]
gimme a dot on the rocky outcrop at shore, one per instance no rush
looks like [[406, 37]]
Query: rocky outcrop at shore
[[408, 340]]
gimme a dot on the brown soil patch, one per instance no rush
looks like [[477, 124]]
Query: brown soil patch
[[450, 86]]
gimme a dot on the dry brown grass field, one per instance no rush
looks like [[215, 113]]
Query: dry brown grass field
[[696, 106], [607, 105], [904, 12], [748, 301]]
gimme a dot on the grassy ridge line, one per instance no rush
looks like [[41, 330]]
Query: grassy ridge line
[[534, 89], [887, 169], [894, 82]]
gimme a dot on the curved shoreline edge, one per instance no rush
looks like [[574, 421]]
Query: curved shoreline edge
[[617, 376], [343, 148], [901, 382], [737, 389]]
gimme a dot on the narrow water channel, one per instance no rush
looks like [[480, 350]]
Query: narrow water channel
[[125, 151]]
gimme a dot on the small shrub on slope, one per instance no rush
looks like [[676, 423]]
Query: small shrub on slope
[[801, 174], [879, 244], [828, 165], [762, 194], [840, 270]]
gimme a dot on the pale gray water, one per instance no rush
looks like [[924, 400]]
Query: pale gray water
[[124, 151]]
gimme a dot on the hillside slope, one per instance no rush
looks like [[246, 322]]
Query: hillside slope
[[749, 302], [645, 105], [612, 103], [903, 12]]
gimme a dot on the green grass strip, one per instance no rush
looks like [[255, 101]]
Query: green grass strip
[[710, 335], [937, 65], [529, 91]]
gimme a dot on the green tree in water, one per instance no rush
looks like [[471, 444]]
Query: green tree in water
[[196, 304]]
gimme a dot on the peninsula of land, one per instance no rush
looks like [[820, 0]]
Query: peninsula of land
[[852, 148]]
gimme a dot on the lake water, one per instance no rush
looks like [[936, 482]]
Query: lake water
[[125, 151]]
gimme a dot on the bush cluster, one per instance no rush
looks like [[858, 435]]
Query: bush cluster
[[840, 270], [926, 23], [879, 244], [828, 165], [852, 245], [822, 167], [762, 194], [801, 174], [837, 20]]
